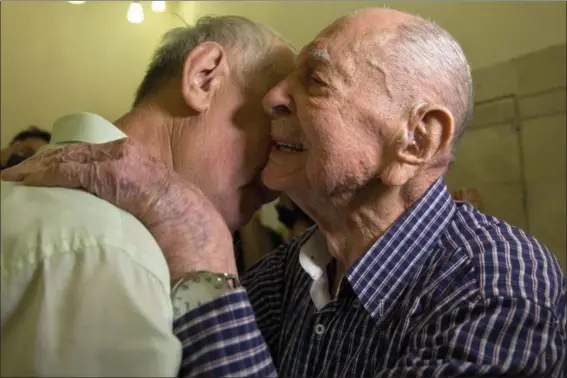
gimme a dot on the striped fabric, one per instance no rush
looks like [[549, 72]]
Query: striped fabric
[[221, 339], [447, 291]]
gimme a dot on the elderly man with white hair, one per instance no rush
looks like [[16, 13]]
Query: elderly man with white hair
[[396, 279]]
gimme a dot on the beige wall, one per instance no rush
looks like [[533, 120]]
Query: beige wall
[[59, 58], [514, 153], [490, 32]]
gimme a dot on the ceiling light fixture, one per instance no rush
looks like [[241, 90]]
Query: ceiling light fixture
[[76, 2], [135, 13], [158, 6]]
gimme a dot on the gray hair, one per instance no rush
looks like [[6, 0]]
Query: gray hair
[[245, 40], [435, 60]]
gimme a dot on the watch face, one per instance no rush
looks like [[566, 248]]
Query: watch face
[[180, 304], [195, 291]]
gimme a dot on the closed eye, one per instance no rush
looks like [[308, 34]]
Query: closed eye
[[314, 79]]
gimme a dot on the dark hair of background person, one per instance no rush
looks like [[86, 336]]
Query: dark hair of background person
[[31, 132], [289, 216], [23, 145]]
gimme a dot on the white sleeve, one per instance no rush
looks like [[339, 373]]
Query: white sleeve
[[94, 312]]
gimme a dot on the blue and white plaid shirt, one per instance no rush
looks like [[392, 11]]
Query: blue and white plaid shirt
[[447, 291]]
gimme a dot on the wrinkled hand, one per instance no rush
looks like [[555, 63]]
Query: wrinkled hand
[[187, 227]]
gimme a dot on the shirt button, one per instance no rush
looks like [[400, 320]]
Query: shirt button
[[319, 329], [356, 303]]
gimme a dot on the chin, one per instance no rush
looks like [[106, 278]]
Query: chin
[[277, 181], [239, 216], [239, 219], [273, 184]]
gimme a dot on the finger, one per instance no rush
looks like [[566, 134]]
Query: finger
[[17, 172], [12, 174], [66, 175], [82, 153], [48, 153], [114, 150], [44, 169], [34, 164]]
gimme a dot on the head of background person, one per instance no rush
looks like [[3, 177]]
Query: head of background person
[[23, 145], [199, 108], [370, 115], [292, 217]]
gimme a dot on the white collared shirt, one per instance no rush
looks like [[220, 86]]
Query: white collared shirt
[[314, 258], [85, 287]]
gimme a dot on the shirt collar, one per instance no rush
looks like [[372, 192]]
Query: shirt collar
[[83, 128], [380, 276], [313, 258]]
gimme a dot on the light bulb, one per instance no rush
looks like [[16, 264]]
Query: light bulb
[[158, 6], [76, 2], [135, 13]]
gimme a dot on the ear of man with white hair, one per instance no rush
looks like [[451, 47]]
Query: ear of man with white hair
[[433, 59], [202, 92], [247, 42]]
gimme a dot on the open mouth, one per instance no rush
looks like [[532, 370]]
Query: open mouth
[[289, 147]]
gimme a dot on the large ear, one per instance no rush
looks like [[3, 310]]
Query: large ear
[[204, 71], [428, 131]]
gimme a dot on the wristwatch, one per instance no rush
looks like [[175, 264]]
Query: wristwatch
[[197, 288]]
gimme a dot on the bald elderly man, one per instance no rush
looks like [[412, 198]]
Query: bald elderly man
[[396, 279]]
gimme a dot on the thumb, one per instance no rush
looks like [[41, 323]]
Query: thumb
[[64, 175], [12, 174]]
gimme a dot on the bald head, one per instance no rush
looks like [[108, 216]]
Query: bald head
[[417, 60], [437, 66]]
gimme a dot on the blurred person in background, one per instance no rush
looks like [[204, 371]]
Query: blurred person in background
[[25, 144], [295, 221], [252, 242]]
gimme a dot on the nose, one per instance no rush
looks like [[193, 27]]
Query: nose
[[278, 101]]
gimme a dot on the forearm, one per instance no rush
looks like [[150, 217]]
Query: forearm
[[221, 338]]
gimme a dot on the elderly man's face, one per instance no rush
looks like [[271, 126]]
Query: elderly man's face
[[333, 119]]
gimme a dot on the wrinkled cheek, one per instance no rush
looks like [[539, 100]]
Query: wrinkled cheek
[[336, 171], [283, 170], [322, 172]]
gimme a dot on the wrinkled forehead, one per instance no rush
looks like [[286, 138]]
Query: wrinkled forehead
[[330, 53], [335, 45]]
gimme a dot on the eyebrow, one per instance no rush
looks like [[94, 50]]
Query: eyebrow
[[319, 54]]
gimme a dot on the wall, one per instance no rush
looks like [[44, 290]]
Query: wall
[[58, 58], [514, 151], [499, 25]]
